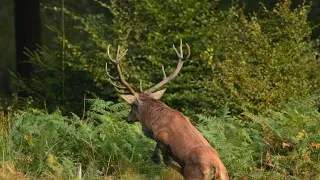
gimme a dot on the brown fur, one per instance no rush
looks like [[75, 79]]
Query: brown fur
[[178, 137]]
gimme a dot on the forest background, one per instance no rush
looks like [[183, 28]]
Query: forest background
[[251, 85]]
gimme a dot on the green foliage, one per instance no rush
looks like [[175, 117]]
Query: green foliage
[[293, 138], [231, 52], [51, 87], [248, 62], [264, 64], [233, 142], [282, 144], [51, 144]]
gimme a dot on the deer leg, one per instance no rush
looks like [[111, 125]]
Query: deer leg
[[155, 156], [166, 154]]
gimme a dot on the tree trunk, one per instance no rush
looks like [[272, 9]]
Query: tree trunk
[[27, 27]]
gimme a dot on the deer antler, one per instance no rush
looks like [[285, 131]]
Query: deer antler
[[175, 72], [116, 63]]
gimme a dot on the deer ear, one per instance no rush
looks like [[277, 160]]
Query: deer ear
[[129, 98], [158, 94]]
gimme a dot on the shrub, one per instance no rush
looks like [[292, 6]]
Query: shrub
[[231, 52], [249, 62]]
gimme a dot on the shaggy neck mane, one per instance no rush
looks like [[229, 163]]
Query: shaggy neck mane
[[152, 109]]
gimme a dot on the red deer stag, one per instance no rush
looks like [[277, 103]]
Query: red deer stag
[[176, 137]]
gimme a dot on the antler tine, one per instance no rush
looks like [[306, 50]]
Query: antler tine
[[118, 52], [181, 52], [180, 55], [107, 72], [141, 89], [123, 54], [117, 86], [175, 72], [164, 73], [189, 51], [118, 90], [116, 63], [108, 50]]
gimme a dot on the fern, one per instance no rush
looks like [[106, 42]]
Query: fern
[[292, 135], [102, 141], [280, 144], [232, 141], [277, 145]]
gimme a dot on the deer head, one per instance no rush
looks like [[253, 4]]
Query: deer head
[[134, 99]]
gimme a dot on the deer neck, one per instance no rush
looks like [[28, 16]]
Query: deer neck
[[152, 111]]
